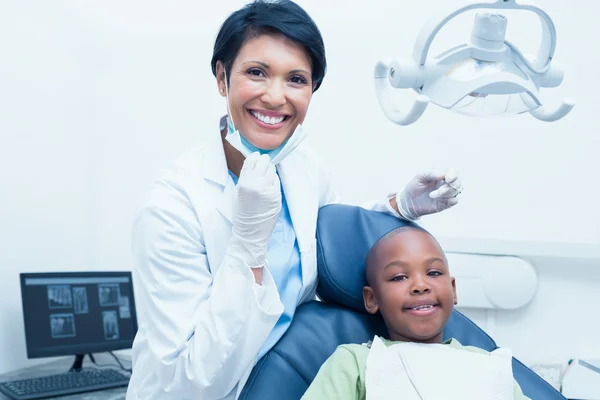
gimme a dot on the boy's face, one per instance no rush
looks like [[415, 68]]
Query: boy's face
[[411, 286]]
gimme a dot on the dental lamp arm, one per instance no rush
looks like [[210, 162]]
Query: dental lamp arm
[[436, 23]]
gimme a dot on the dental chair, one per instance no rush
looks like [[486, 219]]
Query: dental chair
[[344, 236]]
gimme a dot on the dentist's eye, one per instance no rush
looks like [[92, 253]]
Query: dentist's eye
[[299, 80], [255, 72]]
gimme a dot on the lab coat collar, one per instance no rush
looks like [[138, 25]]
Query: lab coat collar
[[215, 170], [215, 163]]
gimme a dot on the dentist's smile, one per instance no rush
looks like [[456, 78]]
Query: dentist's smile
[[268, 120]]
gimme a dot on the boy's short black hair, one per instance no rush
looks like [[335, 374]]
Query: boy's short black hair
[[267, 17], [370, 267]]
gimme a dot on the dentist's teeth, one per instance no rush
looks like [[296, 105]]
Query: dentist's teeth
[[267, 120]]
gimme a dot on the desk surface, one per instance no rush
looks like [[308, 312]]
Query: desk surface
[[63, 366]]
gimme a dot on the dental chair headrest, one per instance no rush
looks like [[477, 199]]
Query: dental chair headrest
[[342, 248]]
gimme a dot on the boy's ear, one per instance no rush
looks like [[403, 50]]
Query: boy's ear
[[370, 301], [454, 291]]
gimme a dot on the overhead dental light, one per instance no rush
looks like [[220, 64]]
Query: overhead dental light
[[488, 76]]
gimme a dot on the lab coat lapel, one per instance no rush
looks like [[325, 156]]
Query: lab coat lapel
[[225, 202], [303, 202], [217, 200], [218, 226], [215, 170]]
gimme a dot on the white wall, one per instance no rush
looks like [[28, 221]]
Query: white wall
[[560, 323], [96, 97]]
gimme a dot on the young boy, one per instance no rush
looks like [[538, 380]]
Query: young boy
[[410, 285]]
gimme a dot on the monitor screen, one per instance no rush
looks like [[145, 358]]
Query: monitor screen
[[77, 312]]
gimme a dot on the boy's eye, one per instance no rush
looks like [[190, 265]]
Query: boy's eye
[[434, 273], [398, 278]]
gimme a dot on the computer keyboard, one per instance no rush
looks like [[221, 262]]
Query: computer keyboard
[[86, 380]]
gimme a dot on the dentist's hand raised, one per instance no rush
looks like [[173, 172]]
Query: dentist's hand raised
[[429, 193], [256, 208]]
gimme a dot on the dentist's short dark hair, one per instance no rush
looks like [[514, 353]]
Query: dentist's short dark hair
[[270, 17]]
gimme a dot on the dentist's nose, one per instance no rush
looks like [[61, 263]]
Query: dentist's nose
[[274, 94]]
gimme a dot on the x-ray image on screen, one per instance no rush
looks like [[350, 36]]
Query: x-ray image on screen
[[62, 325], [80, 300], [111, 325], [70, 313], [124, 307], [59, 296], [108, 295]]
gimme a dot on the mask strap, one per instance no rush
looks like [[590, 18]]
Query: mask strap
[[227, 98]]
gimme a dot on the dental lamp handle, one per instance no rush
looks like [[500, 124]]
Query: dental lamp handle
[[383, 90], [550, 116]]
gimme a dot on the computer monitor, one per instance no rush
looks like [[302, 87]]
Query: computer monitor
[[77, 313]]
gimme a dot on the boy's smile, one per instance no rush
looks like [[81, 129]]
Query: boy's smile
[[422, 308], [410, 284]]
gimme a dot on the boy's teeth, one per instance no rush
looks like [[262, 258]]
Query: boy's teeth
[[422, 308], [267, 120]]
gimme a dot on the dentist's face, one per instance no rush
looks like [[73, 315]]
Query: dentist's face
[[270, 88]]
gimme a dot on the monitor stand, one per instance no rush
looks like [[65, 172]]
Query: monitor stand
[[77, 364]]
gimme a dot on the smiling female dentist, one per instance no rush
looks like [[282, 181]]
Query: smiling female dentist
[[224, 247]]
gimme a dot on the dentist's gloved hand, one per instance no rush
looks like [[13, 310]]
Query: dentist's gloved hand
[[256, 208], [429, 193]]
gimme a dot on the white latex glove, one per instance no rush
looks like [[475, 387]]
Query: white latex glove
[[429, 193], [256, 208]]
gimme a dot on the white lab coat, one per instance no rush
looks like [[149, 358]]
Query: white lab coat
[[202, 317]]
